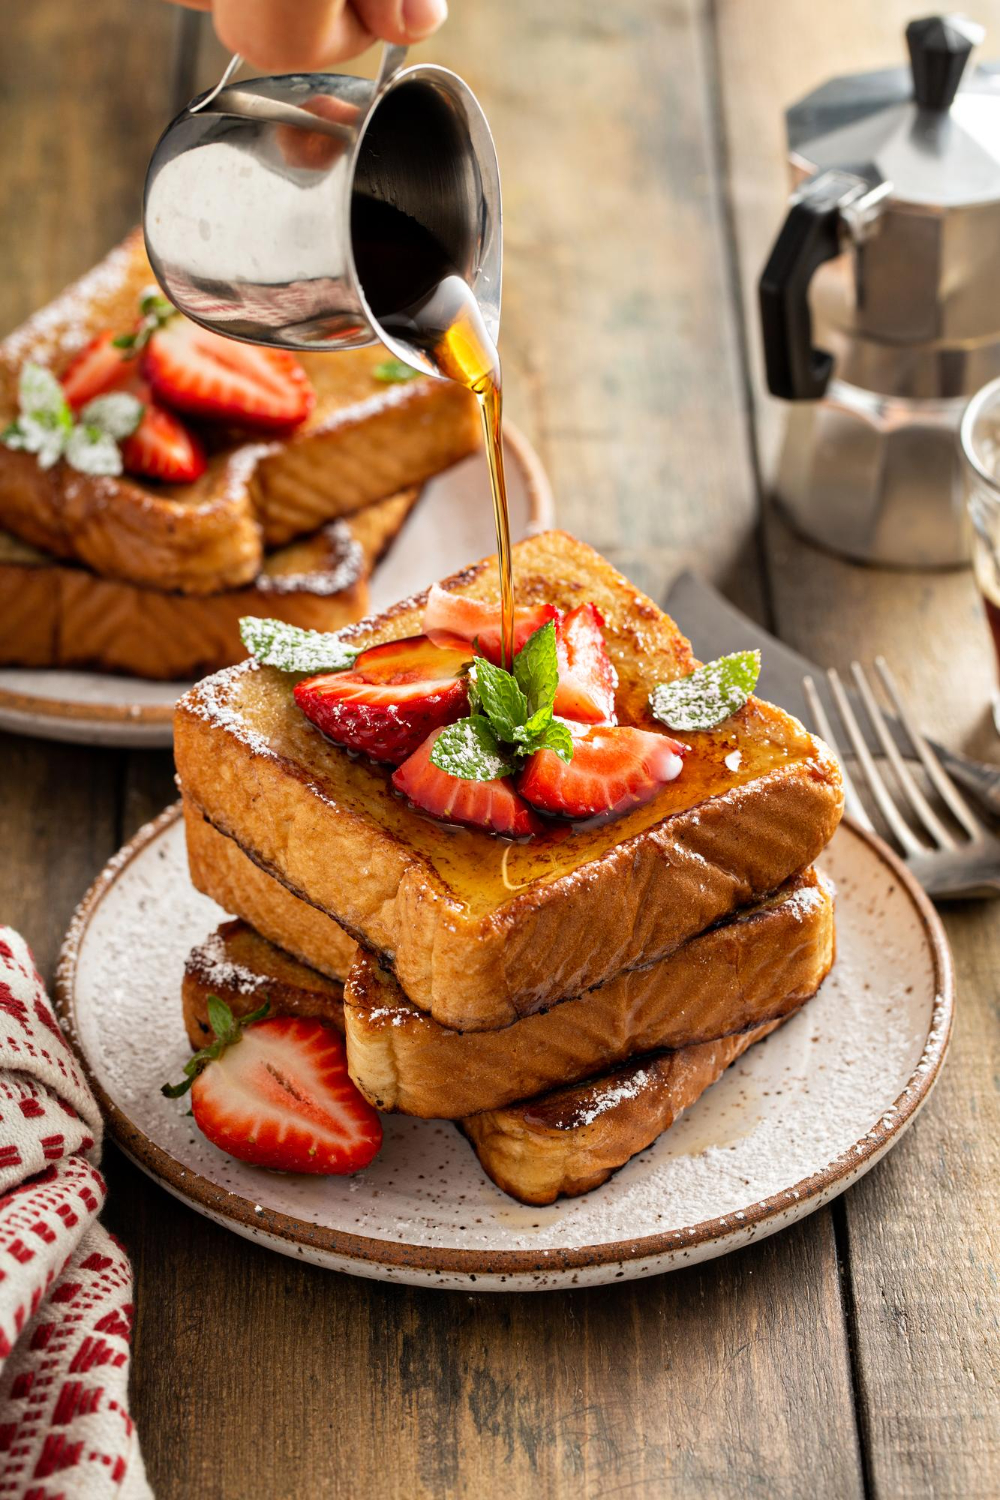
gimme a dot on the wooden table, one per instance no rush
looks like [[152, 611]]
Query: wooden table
[[856, 1353]]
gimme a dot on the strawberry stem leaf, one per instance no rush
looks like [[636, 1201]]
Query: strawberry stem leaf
[[228, 1029]]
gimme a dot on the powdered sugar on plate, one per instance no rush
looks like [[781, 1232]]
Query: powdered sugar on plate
[[793, 1122]]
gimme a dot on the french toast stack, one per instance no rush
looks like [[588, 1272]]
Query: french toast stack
[[562, 999], [150, 577]]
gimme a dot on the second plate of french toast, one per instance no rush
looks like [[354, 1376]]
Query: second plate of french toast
[[522, 971], [310, 489]]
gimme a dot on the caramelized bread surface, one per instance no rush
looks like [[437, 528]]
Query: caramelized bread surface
[[570, 1141], [562, 1143], [755, 967], [57, 614], [477, 930], [220, 870], [363, 441]]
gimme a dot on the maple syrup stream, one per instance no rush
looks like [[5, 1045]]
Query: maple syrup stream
[[421, 301]]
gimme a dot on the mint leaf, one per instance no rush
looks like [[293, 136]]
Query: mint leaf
[[556, 736], [45, 436], [469, 749], [499, 697], [275, 643], [39, 394], [394, 372], [536, 668], [91, 451], [707, 696], [118, 414], [46, 427]]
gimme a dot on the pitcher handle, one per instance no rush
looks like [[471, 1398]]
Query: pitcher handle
[[233, 64], [393, 57]]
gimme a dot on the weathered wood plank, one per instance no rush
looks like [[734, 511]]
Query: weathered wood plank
[[80, 107], [921, 1231], [618, 338], [731, 1379]]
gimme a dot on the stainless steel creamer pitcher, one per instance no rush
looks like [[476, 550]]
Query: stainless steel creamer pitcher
[[249, 195]]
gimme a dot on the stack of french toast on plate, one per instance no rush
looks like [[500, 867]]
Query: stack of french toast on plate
[[159, 482], [549, 898]]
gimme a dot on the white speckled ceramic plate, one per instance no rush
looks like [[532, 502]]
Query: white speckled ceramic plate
[[791, 1125], [452, 523]]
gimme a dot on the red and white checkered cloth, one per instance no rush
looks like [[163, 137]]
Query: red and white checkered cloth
[[65, 1284]]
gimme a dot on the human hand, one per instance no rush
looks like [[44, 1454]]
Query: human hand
[[308, 36]]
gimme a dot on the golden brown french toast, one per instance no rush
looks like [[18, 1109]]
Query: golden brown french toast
[[240, 967], [562, 1143], [59, 614], [754, 967], [570, 1141], [479, 931], [220, 869], [363, 441]]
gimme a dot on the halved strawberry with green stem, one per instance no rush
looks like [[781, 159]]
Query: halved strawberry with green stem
[[193, 370], [277, 1093], [161, 446], [587, 678], [614, 768], [492, 805], [390, 700], [449, 615]]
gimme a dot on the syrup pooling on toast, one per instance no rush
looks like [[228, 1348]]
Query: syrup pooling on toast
[[482, 873], [421, 301]]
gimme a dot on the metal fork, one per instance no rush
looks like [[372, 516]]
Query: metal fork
[[947, 867]]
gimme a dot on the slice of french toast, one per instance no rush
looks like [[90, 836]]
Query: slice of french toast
[[561, 1143], [242, 968], [756, 966], [59, 614], [220, 869], [479, 931], [752, 968], [571, 1141], [364, 440]]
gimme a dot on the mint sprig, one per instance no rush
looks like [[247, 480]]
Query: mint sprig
[[228, 1029], [46, 427], [511, 715], [394, 372], [275, 643], [156, 314], [709, 695]]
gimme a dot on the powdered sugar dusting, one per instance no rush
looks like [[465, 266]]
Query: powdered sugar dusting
[[210, 963], [347, 565], [797, 1117]]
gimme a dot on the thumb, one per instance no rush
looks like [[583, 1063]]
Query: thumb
[[401, 20]]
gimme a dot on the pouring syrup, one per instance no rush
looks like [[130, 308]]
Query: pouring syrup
[[421, 301]]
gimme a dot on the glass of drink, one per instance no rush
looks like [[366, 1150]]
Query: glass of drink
[[980, 442]]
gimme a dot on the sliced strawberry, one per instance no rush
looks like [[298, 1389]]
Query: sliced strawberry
[[280, 1096], [96, 370], [587, 678], [161, 446], [493, 805], [613, 769], [203, 373], [392, 697], [449, 615]]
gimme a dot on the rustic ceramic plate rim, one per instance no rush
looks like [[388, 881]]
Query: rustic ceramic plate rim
[[189, 1185]]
